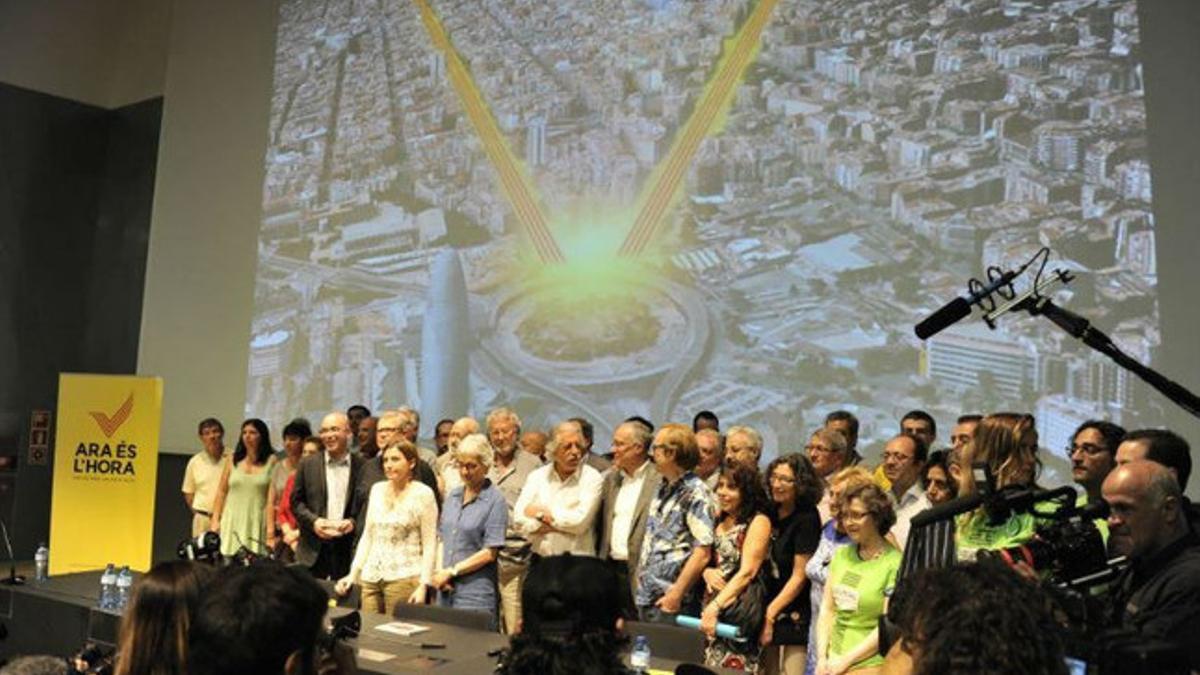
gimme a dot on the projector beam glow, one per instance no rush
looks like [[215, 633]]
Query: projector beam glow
[[513, 180], [664, 183]]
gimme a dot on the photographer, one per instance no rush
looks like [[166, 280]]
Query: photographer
[[1158, 595]]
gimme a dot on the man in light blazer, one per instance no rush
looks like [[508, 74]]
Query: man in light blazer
[[326, 502], [629, 487]]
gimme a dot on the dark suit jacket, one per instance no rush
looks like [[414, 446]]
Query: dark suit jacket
[[608, 501], [309, 502]]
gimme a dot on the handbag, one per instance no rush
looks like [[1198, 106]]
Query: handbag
[[749, 611]]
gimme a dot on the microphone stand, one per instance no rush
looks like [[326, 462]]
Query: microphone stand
[[13, 579], [1080, 328]]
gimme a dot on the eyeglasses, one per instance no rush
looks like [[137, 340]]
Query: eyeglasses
[[825, 450], [387, 430], [782, 480], [1087, 448]]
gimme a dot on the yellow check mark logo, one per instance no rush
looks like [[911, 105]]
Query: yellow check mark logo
[[110, 423]]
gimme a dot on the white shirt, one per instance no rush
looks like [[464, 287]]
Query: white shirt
[[624, 508], [572, 504], [908, 505], [337, 485]]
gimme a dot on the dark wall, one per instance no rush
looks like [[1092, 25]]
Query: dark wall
[[76, 188]]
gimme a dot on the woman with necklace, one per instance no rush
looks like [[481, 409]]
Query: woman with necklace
[[861, 576], [395, 557]]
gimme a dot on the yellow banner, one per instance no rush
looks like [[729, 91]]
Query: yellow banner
[[105, 468]]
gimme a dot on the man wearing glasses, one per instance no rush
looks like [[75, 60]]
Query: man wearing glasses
[[1093, 455], [903, 458]]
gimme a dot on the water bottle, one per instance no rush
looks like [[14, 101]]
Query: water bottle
[[41, 563], [108, 587], [639, 657], [124, 582]]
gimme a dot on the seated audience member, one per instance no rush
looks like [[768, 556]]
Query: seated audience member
[[326, 502], [796, 524], [1007, 443], [743, 445], [154, 631], [829, 454], [978, 618], [741, 543], [712, 456], [37, 665], [557, 507], [935, 479], [833, 537], [845, 422], [1093, 453], [571, 620], [706, 419], [263, 619], [861, 577], [679, 530], [625, 500], [472, 526], [1158, 595], [903, 458], [534, 443], [396, 553]]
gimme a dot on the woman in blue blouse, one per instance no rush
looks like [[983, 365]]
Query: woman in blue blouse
[[473, 521]]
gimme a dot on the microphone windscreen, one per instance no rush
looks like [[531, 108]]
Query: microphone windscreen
[[950, 313]]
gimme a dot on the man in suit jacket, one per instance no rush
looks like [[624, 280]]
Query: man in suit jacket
[[629, 487], [326, 502]]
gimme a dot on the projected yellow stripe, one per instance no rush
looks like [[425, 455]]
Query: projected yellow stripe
[[513, 180], [663, 186]]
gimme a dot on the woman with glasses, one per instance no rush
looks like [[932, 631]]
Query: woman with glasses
[[861, 577], [832, 538], [794, 490]]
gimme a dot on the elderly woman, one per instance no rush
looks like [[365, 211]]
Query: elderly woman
[[472, 526], [861, 576], [795, 491], [833, 537], [395, 556], [1007, 443]]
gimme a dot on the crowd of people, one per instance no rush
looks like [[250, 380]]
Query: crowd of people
[[802, 558]]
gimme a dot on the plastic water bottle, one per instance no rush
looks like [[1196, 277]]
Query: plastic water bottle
[[639, 657], [108, 587], [124, 582], [41, 563]]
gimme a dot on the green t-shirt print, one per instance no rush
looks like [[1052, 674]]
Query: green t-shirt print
[[859, 588]]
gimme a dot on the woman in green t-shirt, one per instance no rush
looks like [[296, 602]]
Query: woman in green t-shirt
[[861, 577], [1007, 443]]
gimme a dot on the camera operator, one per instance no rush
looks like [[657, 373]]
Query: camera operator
[[1158, 595]]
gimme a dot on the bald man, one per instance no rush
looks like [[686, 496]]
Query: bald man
[[1158, 595], [325, 502]]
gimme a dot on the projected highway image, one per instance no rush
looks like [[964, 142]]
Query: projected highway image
[[655, 207]]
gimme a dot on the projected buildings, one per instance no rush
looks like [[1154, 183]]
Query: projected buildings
[[872, 156]]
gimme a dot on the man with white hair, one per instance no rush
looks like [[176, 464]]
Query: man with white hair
[[510, 469], [743, 445], [557, 507]]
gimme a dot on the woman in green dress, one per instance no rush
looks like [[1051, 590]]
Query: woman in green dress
[[242, 512]]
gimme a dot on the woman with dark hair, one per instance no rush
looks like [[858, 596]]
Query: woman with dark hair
[[861, 577], [243, 513], [741, 541], [154, 631], [935, 478], [289, 527], [570, 613], [795, 491]]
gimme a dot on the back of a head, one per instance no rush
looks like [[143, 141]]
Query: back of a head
[[35, 665], [154, 630], [569, 606], [978, 618], [252, 619]]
